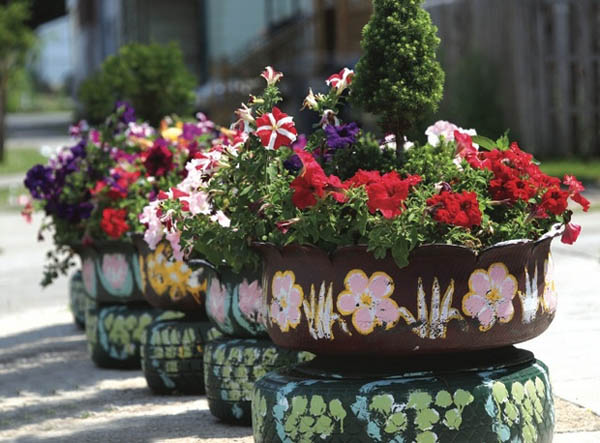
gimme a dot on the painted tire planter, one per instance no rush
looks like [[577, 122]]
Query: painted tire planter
[[234, 304], [487, 402], [232, 366], [111, 272], [172, 284], [171, 355], [447, 299], [77, 299], [114, 333]]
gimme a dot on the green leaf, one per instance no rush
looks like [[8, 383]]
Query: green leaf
[[443, 399], [317, 405], [400, 252], [337, 409], [306, 424], [499, 392], [426, 437], [517, 391], [484, 142], [426, 418], [299, 405], [419, 400], [382, 403], [396, 422], [453, 419], [324, 425], [463, 398]]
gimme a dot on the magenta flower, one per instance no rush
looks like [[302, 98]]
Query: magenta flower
[[250, 297]]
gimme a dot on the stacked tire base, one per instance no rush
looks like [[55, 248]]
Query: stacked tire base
[[114, 333], [232, 366], [77, 299], [493, 402], [172, 355]]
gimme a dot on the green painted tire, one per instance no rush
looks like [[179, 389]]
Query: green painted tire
[[114, 333], [486, 403], [171, 355], [77, 299], [232, 366]]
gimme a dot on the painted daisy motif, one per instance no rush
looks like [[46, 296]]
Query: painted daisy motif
[[287, 300], [276, 129], [368, 300], [490, 296]]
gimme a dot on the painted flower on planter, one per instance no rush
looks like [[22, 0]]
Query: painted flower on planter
[[215, 303], [287, 300], [368, 300], [115, 269], [276, 129], [549, 299], [87, 273], [250, 297], [490, 296]]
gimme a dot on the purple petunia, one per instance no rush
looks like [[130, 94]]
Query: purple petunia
[[126, 111], [40, 181], [341, 136]]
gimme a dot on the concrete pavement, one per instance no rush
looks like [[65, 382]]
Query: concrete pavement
[[50, 391]]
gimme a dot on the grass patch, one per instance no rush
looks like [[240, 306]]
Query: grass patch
[[18, 161], [585, 170]]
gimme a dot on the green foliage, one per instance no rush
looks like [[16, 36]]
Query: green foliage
[[398, 78], [15, 37], [153, 78]]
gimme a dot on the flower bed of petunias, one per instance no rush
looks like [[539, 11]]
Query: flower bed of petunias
[[341, 185], [95, 190]]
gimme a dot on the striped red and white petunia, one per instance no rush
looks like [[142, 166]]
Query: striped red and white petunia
[[271, 75], [276, 129], [341, 80]]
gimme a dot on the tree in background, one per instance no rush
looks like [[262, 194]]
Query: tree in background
[[152, 78], [398, 78], [15, 40]]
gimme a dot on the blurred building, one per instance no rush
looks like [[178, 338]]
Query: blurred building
[[532, 66]]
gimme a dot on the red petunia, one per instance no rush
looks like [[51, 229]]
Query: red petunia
[[313, 183], [363, 177], [158, 159], [113, 222], [276, 129], [575, 187], [388, 195], [554, 200], [571, 233], [458, 209]]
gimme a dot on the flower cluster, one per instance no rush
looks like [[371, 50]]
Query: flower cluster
[[458, 209], [95, 190]]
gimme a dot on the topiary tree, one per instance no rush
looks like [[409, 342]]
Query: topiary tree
[[398, 77], [152, 78]]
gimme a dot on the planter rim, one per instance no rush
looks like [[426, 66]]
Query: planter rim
[[554, 231]]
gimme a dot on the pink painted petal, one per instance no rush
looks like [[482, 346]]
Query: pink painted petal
[[508, 288], [474, 304], [274, 310], [363, 320], [479, 282], [486, 317], [357, 282], [380, 286], [505, 309], [293, 316], [277, 286], [346, 303], [294, 298], [281, 318], [387, 311], [497, 273]]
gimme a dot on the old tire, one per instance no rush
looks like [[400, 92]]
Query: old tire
[[77, 299], [232, 366], [487, 402], [171, 355], [114, 333]]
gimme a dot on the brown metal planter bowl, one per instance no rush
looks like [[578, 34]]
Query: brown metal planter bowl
[[110, 271], [448, 299], [171, 284]]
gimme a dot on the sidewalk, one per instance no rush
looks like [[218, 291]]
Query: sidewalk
[[50, 391]]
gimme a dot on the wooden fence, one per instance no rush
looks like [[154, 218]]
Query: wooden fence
[[548, 56]]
